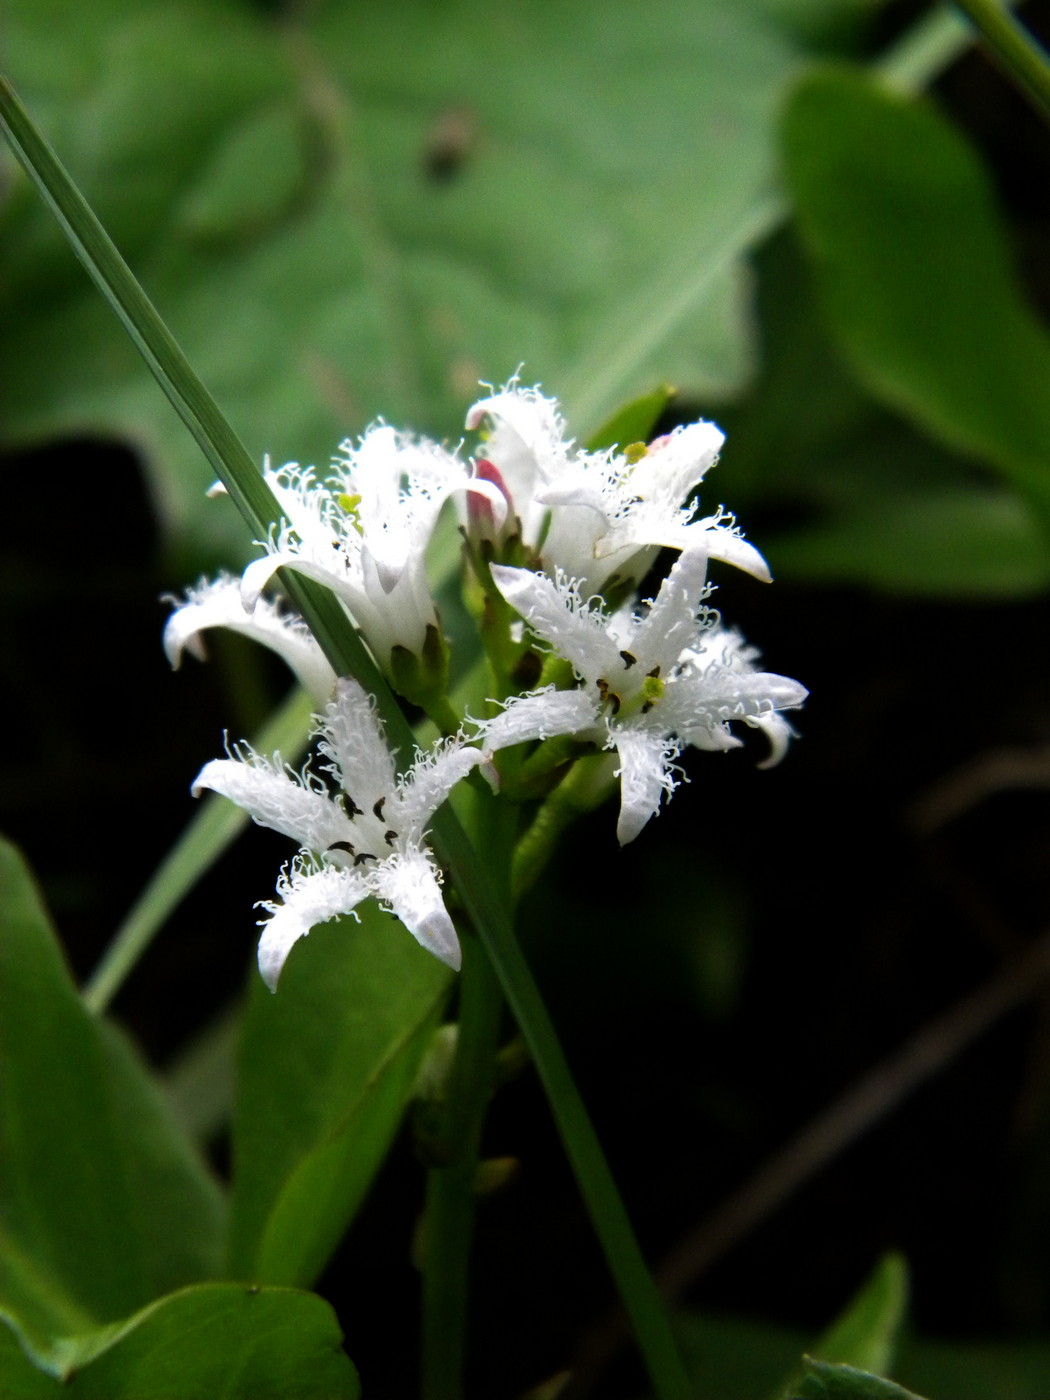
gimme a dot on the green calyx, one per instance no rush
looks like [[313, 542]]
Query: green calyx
[[423, 678]]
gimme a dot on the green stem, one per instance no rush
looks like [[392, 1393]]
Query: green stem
[[449, 1220], [595, 1180], [586, 787], [349, 656], [1018, 52]]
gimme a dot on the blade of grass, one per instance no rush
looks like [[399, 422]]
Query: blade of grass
[[349, 656]]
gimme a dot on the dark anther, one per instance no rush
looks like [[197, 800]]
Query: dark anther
[[647, 707], [654, 672], [603, 689], [342, 846], [629, 660], [365, 855], [615, 699], [352, 807], [378, 809], [390, 837]]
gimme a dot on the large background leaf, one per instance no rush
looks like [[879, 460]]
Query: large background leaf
[[104, 1205], [912, 260], [275, 187], [325, 1068]]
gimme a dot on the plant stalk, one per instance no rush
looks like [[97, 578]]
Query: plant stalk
[[1017, 51], [448, 1228]]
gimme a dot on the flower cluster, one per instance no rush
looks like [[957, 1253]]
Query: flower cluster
[[550, 528]]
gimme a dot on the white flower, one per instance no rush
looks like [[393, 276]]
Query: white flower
[[599, 517], [218, 604], [654, 681], [364, 532], [368, 839]]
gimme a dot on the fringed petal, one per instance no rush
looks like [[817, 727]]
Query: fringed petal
[[275, 797], [556, 613], [409, 884], [539, 716], [645, 775], [219, 604], [307, 898], [430, 780]]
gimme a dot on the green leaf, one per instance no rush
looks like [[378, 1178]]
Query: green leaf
[[865, 1335], [223, 1341], [824, 1380], [976, 1370], [732, 1356], [326, 1066], [105, 1206], [633, 422], [271, 186], [966, 541], [878, 503], [912, 261]]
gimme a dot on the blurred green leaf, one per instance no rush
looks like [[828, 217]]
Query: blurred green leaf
[[976, 1370], [735, 1357], [865, 1335], [910, 255], [222, 1341], [104, 1205], [634, 422], [731, 1356], [325, 1068], [870, 499], [962, 542], [824, 1380], [336, 224]]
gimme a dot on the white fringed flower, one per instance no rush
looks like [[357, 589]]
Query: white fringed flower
[[654, 681], [218, 604], [364, 532], [599, 517], [368, 839]]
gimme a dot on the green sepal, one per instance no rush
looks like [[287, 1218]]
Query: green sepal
[[422, 679]]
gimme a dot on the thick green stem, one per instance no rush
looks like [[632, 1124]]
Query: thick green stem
[[449, 1221], [604, 1206], [1015, 48], [586, 787]]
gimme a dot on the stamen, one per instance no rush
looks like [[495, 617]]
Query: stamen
[[629, 659], [390, 837], [365, 855], [342, 846], [377, 808]]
